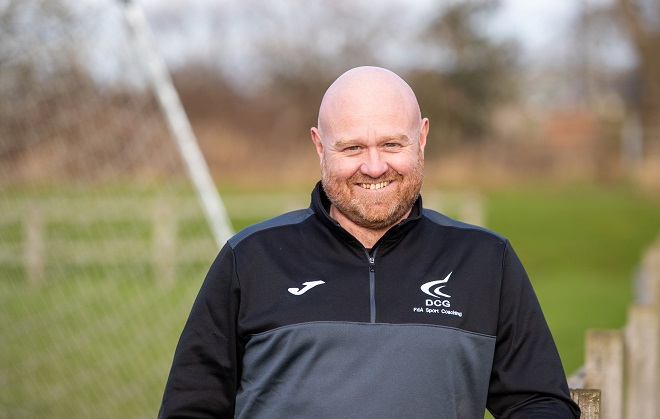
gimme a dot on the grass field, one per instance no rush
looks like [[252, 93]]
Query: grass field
[[581, 248], [96, 337]]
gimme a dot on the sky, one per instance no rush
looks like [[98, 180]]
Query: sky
[[541, 28], [535, 24]]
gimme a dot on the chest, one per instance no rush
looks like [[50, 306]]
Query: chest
[[444, 287]]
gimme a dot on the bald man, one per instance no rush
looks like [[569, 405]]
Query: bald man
[[367, 305]]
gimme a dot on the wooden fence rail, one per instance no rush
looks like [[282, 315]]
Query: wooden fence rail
[[52, 234], [621, 375], [38, 250], [625, 364]]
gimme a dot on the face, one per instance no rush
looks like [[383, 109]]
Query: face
[[372, 166]]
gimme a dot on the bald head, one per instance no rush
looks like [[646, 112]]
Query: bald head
[[370, 141], [366, 92]]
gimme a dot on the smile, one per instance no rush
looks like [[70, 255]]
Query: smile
[[374, 186]]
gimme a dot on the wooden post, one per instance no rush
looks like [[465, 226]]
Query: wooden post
[[34, 246], [164, 245], [642, 342], [472, 209], [467, 206], [589, 402], [604, 358], [649, 278]]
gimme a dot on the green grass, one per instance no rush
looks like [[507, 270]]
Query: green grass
[[96, 338], [89, 348], [581, 248]]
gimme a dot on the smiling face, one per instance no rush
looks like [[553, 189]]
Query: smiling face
[[370, 142]]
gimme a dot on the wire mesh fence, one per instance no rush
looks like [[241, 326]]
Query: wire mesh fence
[[103, 244], [103, 240]]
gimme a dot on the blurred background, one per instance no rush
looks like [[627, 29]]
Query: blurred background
[[545, 127]]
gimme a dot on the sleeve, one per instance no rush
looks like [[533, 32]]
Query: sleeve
[[527, 379], [206, 367]]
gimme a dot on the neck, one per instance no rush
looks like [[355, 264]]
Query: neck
[[367, 236]]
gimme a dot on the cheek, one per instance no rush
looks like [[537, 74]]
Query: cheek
[[404, 163], [342, 167]]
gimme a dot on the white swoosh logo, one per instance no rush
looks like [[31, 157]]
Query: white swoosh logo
[[308, 286], [426, 288]]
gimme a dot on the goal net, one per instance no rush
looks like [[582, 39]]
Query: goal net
[[103, 240]]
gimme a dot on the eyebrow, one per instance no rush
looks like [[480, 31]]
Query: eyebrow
[[353, 141], [396, 137]]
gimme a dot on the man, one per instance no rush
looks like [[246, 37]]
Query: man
[[367, 305]]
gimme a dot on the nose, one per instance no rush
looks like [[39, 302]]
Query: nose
[[373, 166]]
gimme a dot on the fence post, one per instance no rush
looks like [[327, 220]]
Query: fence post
[[472, 208], [648, 279], [34, 246], [467, 206], [589, 402], [642, 339], [604, 365], [648, 295], [652, 264], [164, 245]]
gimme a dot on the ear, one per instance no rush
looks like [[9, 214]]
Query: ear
[[316, 138], [423, 133]]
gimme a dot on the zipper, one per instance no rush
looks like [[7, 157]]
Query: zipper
[[372, 284]]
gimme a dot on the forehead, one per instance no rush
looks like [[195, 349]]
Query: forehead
[[370, 125], [368, 104], [375, 113]]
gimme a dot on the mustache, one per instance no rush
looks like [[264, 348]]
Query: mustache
[[389, 176]]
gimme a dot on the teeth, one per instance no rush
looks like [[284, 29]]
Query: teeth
[[374, 186]]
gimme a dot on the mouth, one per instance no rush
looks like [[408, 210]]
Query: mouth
[[374, 186]]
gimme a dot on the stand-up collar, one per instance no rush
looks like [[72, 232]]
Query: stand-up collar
[[321, 206]]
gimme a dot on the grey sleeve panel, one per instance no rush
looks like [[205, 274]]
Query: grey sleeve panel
[[342, 370]]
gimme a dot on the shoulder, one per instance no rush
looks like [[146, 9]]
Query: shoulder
[[442, 220], [287, 219]]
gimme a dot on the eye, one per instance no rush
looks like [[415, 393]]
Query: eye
[[352, 148]]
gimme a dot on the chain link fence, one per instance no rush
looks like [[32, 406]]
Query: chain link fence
[[103, 243]]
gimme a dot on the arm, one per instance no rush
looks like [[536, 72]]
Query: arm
[[206, 366], [527, 380]]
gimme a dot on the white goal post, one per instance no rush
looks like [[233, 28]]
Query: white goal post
[[108, 225], [179, 124]]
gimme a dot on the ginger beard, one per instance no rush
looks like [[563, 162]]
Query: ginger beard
[[378, 209]]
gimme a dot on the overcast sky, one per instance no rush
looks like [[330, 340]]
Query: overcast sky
[[544, 29], [535, 23]]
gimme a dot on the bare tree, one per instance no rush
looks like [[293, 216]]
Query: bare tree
[[56, 114], [642, 19], [32, 56], [289, 51], [473, 75]]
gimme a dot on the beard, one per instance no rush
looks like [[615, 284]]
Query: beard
[[375, 211]]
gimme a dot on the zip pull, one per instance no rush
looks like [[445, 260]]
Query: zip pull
[[372, 284]]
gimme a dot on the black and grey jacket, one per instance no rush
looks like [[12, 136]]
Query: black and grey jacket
[[296, 319]]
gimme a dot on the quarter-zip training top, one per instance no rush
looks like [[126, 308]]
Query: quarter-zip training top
[[296, 319]]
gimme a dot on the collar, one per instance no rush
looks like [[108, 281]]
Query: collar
[[320, 205]]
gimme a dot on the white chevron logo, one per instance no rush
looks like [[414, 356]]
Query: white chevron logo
[[426, 288]]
